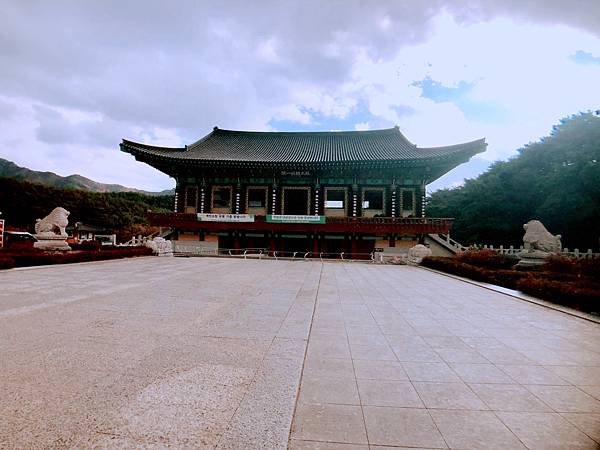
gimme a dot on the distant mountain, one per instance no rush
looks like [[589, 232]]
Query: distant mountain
[[9, 169]]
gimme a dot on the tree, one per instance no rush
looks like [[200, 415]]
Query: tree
[[555, 180]]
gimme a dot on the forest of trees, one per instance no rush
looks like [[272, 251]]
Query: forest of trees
[[22, 202], [555, 180]]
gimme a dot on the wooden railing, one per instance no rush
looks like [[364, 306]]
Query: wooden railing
[[416, 225]]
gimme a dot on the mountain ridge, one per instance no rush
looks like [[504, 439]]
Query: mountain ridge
[[8, 169]]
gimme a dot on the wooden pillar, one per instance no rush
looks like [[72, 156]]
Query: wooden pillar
[[273, 207], [236, 240], [315, 244], [272, 246], [423, 198], [393, 195], [354, 245], [236, 198], [202, 198]]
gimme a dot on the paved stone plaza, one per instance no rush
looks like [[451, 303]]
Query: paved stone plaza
[[234, 354]]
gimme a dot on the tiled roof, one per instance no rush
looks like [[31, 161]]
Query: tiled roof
[[226, 146]]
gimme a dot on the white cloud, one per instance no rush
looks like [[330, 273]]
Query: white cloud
[[78, 77], [362, 126]]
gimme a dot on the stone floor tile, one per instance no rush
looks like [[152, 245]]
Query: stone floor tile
[[402, 427], [448, 396], [314, 445], [545, 431], [388, 393], [144, 337], [509, 397], [329, 423], [531, 374], [453, 355], [415, 353], [566, 398], [372, 352], [366, 339], [385, 447], [379, 370], [480, 373], [288, 348], [328, 349], [504, 356], [483, 342], [264, 416], [329, 368], [329, 390], [577, 374], [594, 391], [446, 342], [588, 423], [474, 430], [441, 372]]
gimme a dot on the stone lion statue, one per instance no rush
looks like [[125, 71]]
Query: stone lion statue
[[537, 238], [417, 253], [53, 224]]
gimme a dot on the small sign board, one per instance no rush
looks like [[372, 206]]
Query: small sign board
[[294, 218], [1, 233], [295, 173], [378, 249], [204, 217]]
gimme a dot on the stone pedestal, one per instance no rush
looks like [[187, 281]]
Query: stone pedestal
[[532, 259], [51, 243]]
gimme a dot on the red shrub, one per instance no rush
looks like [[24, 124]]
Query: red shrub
[[560, 264], [6, 263], [583, 295], [37, 258], [488, 259], [507, 278], [589, 268], [87, 245]]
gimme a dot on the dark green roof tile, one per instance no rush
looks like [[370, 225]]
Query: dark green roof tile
[[226, 146]]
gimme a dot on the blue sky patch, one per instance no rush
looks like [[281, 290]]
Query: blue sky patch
[[460, 96], [584, 58], [321, 122]]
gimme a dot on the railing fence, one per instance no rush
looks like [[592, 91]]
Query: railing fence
[[512, 250]]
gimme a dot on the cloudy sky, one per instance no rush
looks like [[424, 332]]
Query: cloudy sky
[[78, 76]]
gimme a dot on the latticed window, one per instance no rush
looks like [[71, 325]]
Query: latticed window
[[257, 197], [221, 197], [372, 199], [408, 200], [191, 196], [335, 198]]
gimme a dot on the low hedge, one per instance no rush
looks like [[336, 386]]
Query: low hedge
[[7, 263], [38, 258], [488, 259], [573, 287], [582, 295]]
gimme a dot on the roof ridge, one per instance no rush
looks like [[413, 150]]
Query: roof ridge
[[336, 132]]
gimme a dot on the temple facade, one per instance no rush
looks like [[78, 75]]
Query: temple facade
[[315, 193]]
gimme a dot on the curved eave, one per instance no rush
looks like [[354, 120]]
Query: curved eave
[[433, 155], [436, 161]]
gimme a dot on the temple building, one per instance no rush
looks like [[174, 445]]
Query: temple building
[[315, 193]]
